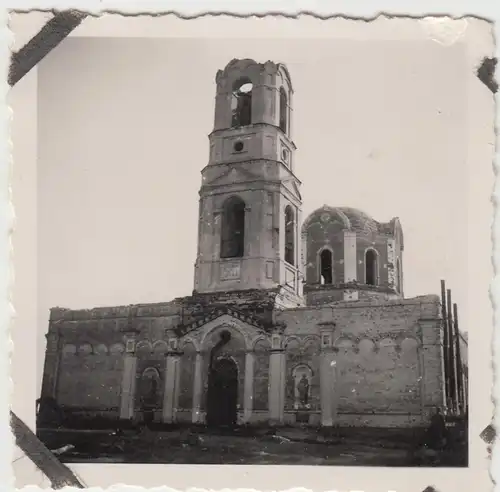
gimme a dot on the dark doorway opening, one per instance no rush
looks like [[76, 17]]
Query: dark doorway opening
[[222, 393]]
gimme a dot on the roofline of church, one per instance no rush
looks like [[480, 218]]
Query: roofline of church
[[90, 313]]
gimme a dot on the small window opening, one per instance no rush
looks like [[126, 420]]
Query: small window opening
[[326, 267], [371, 267]]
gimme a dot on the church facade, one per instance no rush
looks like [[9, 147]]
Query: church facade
[[291, 321]]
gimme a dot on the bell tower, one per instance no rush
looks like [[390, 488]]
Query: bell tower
[[250, 203]]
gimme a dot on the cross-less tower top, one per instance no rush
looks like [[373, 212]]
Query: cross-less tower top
[[253, 96], [250, 92], [250, 203]]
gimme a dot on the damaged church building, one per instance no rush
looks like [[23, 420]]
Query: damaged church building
[[292, 321]]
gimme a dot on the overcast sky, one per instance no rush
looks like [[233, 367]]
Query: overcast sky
[[123, 123]]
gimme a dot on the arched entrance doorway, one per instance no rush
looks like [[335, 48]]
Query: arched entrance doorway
[[222, 396]]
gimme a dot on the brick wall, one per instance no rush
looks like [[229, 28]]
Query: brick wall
[[382, 351], [384, 347], [90, 381], [379, 244], [317, 295], [318, 235], [386, 380]]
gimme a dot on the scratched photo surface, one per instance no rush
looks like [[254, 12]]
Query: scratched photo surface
[[267, 250]]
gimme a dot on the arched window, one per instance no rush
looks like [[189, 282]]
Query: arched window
[[326, 267], [371, 267], [283, 111], [241, 102], [233, 228], [289, 235]]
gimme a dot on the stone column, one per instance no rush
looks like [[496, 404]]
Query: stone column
[[128, 380], [249, 374], [197, 388], [350, 264], [171, 389], [277, 381], [328, 377]]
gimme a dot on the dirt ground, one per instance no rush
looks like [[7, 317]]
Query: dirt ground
[[178, 448], [294, 446]]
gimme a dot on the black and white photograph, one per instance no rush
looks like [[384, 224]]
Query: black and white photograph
[[262, 250]]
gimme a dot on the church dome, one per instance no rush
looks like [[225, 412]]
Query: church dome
[[360, 221], [351, 219]]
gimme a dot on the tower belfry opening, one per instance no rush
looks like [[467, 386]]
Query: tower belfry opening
[[241, 103], [233, 228]]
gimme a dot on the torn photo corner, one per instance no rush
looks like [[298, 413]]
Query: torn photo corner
[[253, 241]]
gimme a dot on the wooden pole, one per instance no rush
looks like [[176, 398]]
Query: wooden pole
[[445, 344], [460, 372], [452, 355]]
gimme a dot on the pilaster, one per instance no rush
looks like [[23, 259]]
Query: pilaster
[[350, 264], [276, 380], [248, 390], [197, 389], [128, 378], [328, 376], [172, 375]]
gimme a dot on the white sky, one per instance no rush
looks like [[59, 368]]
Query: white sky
[[123, 124]]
